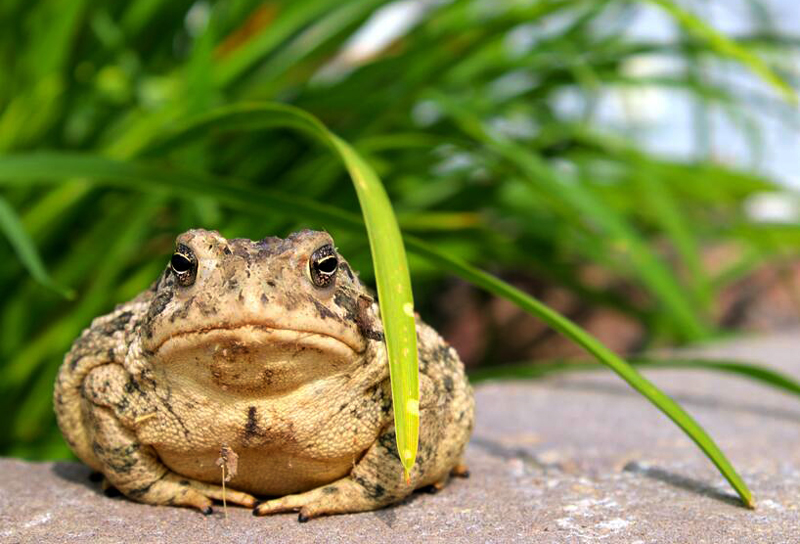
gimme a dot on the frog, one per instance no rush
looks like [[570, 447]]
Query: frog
[[274, 352]]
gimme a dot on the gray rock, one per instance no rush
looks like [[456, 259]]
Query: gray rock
[[573, 458]]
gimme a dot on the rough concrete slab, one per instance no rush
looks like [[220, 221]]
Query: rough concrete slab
[[576, 458]]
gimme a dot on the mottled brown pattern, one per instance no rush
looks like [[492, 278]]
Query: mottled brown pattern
[[246, 352]]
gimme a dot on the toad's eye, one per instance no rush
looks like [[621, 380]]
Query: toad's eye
[[184, 265], [322, 266]]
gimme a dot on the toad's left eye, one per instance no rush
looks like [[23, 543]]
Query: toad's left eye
[[322, 266], [184, 265]]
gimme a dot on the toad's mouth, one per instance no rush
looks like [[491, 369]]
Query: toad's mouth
[[256, 356], [357, 346]]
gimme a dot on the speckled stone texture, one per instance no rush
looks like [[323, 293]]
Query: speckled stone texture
[[577, 458]]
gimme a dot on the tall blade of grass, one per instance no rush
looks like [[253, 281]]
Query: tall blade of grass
[[394, 295], [59, 166], [724, 46], [26, 250]]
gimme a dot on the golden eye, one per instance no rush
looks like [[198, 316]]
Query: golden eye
[[184, 265], [322, 266]]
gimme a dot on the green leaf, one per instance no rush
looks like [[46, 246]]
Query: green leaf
[[26, 249]]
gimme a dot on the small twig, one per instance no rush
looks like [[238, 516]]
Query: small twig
[[224, 502], [230, 460]]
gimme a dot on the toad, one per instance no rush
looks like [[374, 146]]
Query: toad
[[272, 349]]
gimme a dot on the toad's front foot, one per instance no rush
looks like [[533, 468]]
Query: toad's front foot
[[340, 497]]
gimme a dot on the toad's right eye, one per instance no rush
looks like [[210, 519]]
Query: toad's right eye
[[184, 265]]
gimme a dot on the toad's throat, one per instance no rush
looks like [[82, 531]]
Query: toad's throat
[[253, 358]]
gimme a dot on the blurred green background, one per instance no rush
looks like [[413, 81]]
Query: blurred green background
[[488, 122]]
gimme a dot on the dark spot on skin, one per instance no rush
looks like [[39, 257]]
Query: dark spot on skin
[[264, 299], [206, 309], [159, 303], [124, 467], [343, 301], [330, 490], [445, 354], [424, 362], [389, 442], [141, 491], [268, 374], [372, 491], [323, 311], [157, 306], [184, 482], [232, 284], [132, 385], [226, 250], [271, 283], [365, 321], [117, 324], [447, 381], [183, 311], [251, 427], [241, 248], [73, 364], [122, 405]]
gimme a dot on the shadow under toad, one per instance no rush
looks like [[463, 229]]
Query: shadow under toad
[[78, 473], [507, 453]]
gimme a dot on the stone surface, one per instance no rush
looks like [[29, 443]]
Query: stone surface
[[573, 458]]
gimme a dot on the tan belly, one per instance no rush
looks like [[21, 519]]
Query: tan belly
[[261, 472]]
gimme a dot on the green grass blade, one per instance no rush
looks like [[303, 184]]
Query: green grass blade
[[26, 249], [593, 346], [726, 47]]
